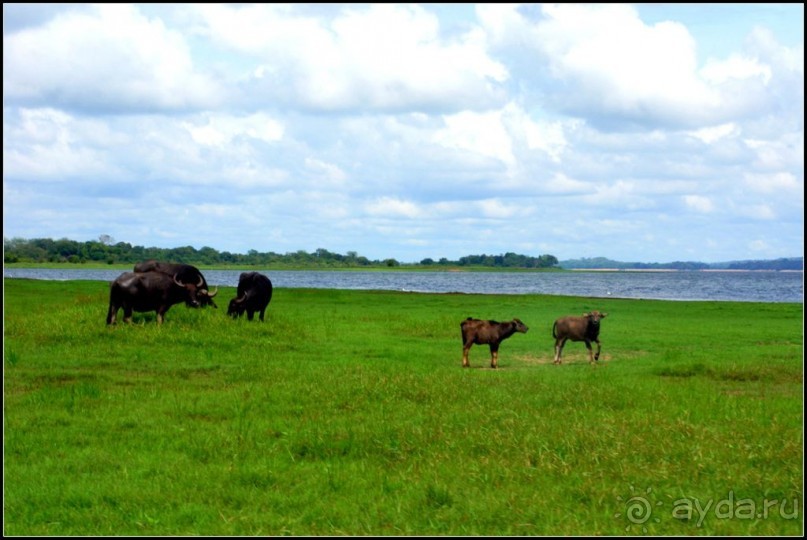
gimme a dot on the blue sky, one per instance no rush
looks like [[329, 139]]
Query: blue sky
[[638, 132]]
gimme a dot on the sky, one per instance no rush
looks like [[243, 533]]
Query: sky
[[638, 132]]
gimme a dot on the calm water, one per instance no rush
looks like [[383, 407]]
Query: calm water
[[732, 286]]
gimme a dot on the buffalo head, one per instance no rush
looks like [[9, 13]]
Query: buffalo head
[[197, 296], [206, 297]]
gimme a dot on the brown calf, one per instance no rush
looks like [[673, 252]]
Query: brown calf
[[585, 328], [490, 333]]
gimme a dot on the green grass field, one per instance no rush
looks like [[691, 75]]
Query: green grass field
[[348, 413]]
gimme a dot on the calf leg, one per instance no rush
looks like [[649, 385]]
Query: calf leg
[[465, 348], [599, 348], [590, 353], [559, 343], [494, 355], [261, 315]]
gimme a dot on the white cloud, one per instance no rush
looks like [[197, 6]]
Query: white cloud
[[779, 152], [699, 203], [248, 175], [481, 133], [604, 63], [783, 183], [110, 58], [47, 144], [503, 23], [390, 207], [560, 183], [615, 61], [714, 133], [547, 136], [384, 56], [326, 173], [494, 208], [222, 129], [763, 44], [757, 211], [736, 67]]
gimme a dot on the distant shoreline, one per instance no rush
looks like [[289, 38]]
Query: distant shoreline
[[675, 270], [94, 265]]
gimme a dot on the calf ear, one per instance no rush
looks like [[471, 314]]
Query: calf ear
[[586, 314], [603, 315]]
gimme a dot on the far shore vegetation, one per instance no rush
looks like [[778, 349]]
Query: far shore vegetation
[[106, 253]]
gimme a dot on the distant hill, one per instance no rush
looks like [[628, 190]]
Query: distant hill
[[791, 263]]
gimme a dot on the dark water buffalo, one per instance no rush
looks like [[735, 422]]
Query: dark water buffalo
[[185, 273], [149, 291], [254, 294], [490, 333], [585, 328]]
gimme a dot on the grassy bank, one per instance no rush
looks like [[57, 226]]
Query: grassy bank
[[347, 412]]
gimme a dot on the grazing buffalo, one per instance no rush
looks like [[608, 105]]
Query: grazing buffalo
[[490, 333], [254, 294], [185, 273], [585, 328], [149, 291]]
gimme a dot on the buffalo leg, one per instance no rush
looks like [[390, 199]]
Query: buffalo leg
[[250, 314], [127, 314], [599, 348], [112, 314], [261, 314]]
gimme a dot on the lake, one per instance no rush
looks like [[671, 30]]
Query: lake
[[757, 286]]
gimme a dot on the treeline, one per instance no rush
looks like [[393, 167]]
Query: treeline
[[602, 262], [41, 250], [508, 260], [791, 263], [105, 250]]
